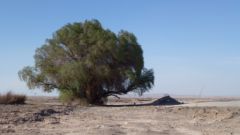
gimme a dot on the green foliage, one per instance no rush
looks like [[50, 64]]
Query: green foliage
[[84, 60], [66, 96]]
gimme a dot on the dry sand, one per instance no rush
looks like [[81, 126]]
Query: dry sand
[[46, 116]]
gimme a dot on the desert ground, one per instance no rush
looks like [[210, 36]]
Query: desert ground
[[47, 116]]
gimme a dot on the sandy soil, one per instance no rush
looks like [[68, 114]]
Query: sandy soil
[[46, 116]]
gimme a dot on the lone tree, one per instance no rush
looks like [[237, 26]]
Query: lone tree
[[86, 61]]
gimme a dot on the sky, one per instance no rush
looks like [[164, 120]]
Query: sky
[[192, 46]]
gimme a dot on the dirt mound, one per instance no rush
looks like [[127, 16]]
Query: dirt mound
[[167, 100]]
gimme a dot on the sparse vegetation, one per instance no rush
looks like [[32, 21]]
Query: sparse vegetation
[[10, 98]]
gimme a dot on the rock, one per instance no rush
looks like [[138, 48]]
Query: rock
[[40, 116], [8, 130], [47, 112]]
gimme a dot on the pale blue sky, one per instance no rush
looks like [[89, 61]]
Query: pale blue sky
[[192, 46]]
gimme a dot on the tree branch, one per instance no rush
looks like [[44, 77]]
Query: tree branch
[[116, 96], [54, 86]]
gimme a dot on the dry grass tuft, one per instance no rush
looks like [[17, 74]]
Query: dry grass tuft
[[11, 98]]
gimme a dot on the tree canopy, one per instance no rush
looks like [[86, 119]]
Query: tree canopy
[[86, 61]]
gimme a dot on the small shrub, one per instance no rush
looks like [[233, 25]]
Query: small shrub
[[11, 98]]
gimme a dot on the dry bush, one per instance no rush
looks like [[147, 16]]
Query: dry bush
[[11, 98]]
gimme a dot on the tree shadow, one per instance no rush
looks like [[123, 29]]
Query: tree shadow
[[128, 105], [164, 101]]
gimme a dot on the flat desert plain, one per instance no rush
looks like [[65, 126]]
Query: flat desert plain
[[47, 116]]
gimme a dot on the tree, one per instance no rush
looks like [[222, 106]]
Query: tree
[[86, 61]]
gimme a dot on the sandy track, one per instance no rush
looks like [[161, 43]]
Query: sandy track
[[216, 104]]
